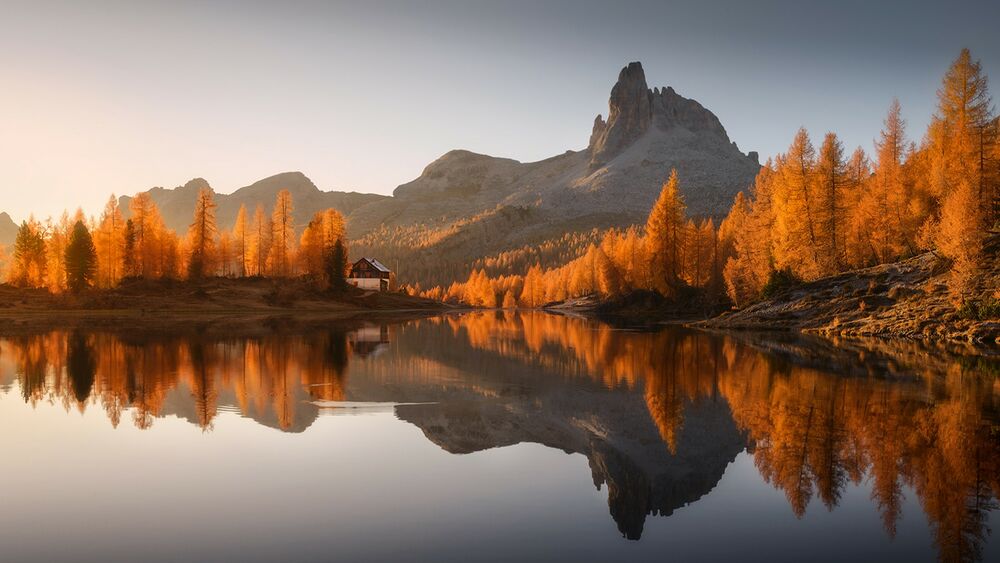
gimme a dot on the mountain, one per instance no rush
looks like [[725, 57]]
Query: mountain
[[8, 230], [467, 206], [177, 204], [628, 158]]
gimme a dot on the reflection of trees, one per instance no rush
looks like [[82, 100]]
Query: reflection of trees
[[140, 374], [202, 382], [80, 366], [813, 431]]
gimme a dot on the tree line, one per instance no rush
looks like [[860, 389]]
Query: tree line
[[809, 214], [79, 253]]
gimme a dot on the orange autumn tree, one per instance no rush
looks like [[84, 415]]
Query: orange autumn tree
[[28, 266], [964, 172], [260, 242], [831, 179], [109, 239], [319, 241], [665, 236], [283, 229], [201, 236], [241, 240], [674, 251]]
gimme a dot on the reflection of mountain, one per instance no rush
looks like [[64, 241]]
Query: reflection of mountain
[[612, 430], [659, 415]]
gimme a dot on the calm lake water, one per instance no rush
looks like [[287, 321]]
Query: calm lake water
[[492, 437]]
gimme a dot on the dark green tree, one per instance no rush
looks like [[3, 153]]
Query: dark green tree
[[129, 263], [81, 259], [336, 266]]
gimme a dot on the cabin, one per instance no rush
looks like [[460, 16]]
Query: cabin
[[370, 274]]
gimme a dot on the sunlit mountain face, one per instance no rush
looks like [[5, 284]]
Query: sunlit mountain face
[[432, 438]]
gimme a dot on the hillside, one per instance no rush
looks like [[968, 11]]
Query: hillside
[[908, 299], [8, 230]]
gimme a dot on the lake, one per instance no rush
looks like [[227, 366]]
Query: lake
[[492, 436]]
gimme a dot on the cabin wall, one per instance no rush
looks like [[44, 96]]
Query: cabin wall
[[370, 284]]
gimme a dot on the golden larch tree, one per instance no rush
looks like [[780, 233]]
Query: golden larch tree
[[283, 228], [664, 236], [201, 236]]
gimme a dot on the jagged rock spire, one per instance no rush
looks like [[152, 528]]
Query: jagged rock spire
[[629, 115], [633, 109]]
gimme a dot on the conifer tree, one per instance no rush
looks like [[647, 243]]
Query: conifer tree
[[890, 221], [110, 244], [201, 236], [796, 210], [830, 177], [664, 235], [261, 241], [130, 264], [283, 229], [240, 241], [336, 265], [81, 259], [964, 111], [28, 269]]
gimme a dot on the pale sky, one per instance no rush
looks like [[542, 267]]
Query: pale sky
[[118, 96]]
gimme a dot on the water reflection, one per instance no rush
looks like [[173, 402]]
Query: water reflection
[[660, 415]]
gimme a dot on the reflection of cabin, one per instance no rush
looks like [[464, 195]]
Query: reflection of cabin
[[370, 274], [369, 340]]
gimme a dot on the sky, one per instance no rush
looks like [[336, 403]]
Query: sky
[[111, 96]]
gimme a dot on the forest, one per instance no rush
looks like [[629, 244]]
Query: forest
[[809, 214], [77, 253]]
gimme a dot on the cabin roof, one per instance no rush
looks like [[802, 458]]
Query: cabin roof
[[375, 264]]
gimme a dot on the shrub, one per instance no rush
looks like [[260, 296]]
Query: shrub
[[778, 281], [980, 310]]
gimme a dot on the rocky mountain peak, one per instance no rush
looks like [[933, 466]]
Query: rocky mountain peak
[[195, 185], [633, 109], [629, 115]]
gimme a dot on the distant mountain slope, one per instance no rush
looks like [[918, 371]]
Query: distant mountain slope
[[8, 230], [629, 156], [177, 204]]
